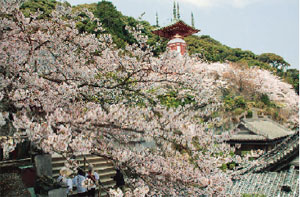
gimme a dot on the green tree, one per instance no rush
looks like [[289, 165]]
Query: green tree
[[209, 49], [112, 21], [45, 6], [292, 77], [91, 7], [274, 60]]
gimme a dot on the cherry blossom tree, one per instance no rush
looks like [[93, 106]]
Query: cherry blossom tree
[[257, 81], [71, 93]]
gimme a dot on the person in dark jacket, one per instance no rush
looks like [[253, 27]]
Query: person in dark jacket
[[119, 179]]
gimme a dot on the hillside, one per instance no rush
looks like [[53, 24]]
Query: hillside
[[214, 51], [237, 101], [208, 48]]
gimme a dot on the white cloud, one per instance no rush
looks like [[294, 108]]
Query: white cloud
[[213, 3]]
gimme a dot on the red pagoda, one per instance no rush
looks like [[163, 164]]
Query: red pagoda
[[175, 32]]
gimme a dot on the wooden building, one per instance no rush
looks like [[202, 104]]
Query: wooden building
[[275, 173], [258, 133], [176, 32]]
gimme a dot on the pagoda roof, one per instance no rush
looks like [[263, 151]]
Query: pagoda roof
[[176, 27]]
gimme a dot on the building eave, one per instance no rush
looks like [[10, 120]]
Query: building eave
[[178, 26]]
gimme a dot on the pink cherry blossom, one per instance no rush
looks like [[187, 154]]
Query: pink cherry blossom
[[73, 93]]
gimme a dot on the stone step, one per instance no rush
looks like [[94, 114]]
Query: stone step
[[103, 173], [99, 169], [94, 162], [78, 157], [109, 184], [102, 166], [81, 163], [81, 159], [96, 165], [108, 174]]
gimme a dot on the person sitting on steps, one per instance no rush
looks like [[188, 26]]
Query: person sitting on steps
[[94, 176], [78, 183], [65, 178]]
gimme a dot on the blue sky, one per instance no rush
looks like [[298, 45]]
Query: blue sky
[[258, 25]]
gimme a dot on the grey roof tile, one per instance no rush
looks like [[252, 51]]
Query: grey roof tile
[[267, 128], [267, 183]]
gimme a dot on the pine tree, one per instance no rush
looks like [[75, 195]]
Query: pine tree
[[193, 22], [174, 12], [178, 14]]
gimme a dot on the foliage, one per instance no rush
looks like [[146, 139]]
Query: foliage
[[71, 92], [213, 51], [233, 102], [228, 166], [74, 93], [275, 60], [90, 7], [44, 6], [253, 195], [171, 99], [249, 114], [291, 76], [114, 23], [247, 88], [265, 99]]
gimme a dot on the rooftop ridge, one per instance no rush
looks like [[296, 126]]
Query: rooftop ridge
[[271, 159], [282, 131], [284, 183]]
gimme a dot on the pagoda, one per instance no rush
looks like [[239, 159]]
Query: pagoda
[[175, 32]]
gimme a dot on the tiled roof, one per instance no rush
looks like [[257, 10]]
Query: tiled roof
[[295, 162], [173, 22], [245, 137], [267, 128], [261, 129], [277, 158], [176, 27], [284, 183]]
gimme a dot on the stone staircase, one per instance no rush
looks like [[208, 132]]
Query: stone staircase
[[102, 166]]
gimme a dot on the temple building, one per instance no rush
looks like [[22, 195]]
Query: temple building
[[175, 32], [258, 133], [275, 173]]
